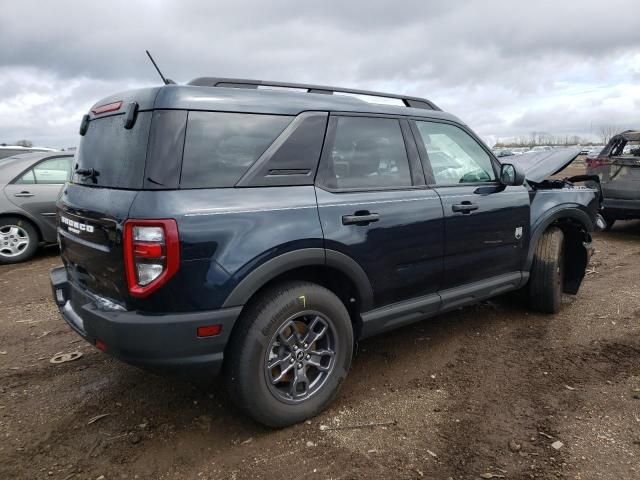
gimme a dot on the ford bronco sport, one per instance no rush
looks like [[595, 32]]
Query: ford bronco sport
[[224, 226]]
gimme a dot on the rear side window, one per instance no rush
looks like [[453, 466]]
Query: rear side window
[[116, 154], [54, 171], [220, 147], [367, 153]]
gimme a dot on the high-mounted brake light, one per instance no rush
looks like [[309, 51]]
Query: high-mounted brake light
[[151, 254], [109, 107], [599, 162]]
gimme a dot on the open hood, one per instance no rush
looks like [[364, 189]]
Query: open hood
[[538, 166]]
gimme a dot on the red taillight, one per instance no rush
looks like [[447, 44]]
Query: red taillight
[[109, 107], [151, 254], [598, 162]]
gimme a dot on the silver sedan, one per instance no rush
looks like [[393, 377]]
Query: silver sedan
[[30, 186]]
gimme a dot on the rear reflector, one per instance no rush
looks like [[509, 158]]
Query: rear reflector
[[109, 107], [209, 330], [100, 345]]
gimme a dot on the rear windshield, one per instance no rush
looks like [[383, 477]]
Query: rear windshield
[[220, 147], [116, 154]]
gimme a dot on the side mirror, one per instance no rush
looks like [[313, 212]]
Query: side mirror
[[510, 175]]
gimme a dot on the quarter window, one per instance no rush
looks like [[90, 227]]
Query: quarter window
[[220, 147], [367, 153], [454, 155]]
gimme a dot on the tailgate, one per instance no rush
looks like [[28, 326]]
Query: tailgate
[[90, 231]]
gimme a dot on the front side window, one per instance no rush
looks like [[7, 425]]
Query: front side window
[[367, 153], [53, 171], [220, 147], [455, 156]]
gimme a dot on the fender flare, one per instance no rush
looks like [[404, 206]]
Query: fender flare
[[285, 262], [553, 215]]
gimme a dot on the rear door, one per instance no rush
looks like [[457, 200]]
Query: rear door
[[486, 224], [37, 190], [375, 207], [95, 205]]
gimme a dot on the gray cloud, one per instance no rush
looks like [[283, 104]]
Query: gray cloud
[[500, 65]]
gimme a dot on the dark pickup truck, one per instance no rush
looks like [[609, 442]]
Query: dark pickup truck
[[261, 232]]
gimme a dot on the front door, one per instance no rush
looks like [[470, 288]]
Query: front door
[[375, 208], [486, 223]]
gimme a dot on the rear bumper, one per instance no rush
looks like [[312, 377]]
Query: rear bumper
[[621, 208], [166, 342]]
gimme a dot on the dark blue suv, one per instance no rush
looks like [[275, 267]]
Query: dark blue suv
[[224, 226]]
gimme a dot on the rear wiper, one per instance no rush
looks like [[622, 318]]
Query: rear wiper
[[92, 173]]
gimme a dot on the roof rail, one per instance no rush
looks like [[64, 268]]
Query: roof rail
[[415, 102]]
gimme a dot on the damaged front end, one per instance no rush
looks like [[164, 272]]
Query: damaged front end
[[542, 169], [572, 204]]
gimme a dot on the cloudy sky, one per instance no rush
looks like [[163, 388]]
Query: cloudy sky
[[506, 67]]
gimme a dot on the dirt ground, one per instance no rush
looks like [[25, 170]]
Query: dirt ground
[[484, 390]]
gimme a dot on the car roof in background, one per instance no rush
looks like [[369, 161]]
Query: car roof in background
[[630, 135], [27, 149]]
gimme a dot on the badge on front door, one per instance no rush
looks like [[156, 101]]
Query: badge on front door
[[518, 233]]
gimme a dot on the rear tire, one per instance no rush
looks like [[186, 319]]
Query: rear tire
[[547, 272], [18, 240], [289, 353]]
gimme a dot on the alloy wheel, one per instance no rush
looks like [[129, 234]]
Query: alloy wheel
[[301, 356]]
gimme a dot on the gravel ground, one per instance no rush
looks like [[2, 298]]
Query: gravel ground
[[483, 392]]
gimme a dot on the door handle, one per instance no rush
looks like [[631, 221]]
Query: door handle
[[362, 218], [24, 194], [464, 207]]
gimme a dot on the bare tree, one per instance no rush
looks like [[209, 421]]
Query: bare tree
[[606, 131], [24, 143]]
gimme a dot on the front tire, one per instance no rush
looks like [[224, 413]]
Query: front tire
[[547, 272], [18, 240], [289, 354]]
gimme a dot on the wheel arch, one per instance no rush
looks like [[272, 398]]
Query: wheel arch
[[329, 268], [576, 225]]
